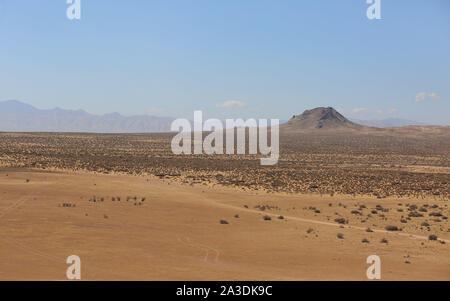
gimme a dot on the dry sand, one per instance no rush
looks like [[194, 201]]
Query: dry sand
[[176, 234]]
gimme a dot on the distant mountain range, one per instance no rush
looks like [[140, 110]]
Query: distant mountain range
[[16, 116], [388, 122]]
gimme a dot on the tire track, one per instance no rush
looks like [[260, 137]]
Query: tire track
[[202, 247]]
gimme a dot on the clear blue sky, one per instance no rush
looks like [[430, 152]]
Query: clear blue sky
[[272, 58]]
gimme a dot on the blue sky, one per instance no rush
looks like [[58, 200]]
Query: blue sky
[[246, 58]]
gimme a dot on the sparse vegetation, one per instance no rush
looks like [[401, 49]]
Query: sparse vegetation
[[151, 154], [432, 237], [392, 228], [341, 220]]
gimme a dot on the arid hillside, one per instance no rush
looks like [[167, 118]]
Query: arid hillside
[[320, 119]]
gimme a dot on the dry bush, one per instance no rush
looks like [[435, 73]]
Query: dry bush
[[392, 228], [341, 220], [432, 237]]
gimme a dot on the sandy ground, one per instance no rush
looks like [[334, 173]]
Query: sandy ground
[[176, 234]]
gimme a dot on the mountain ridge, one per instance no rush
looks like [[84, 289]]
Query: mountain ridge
[[16, 116], [389, 122]]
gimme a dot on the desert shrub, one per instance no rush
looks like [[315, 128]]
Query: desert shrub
[[432, 237], [365, 240], [281, 217], [391, 228], [340, 236], [340, 220], [425, 224], [267, 218], [412, 208], [435, 214], [223, 222], [384, 241], [415, 214]]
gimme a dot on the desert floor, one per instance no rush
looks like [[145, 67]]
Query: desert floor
[[176, 233]]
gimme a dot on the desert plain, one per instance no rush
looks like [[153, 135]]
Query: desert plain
[[131, 210]]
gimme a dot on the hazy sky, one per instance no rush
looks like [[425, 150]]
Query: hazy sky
[[230, 58]]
